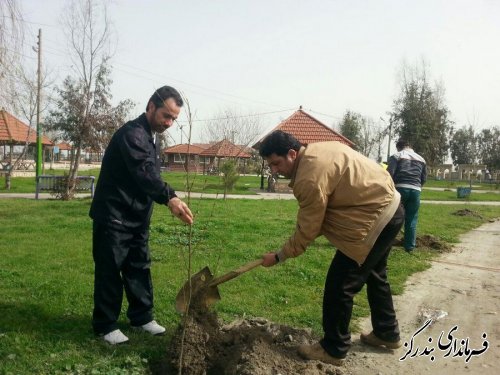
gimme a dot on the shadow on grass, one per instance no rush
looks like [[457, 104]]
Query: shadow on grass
[[36, 338], [34, 320]]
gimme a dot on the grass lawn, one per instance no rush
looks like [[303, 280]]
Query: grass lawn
[[451, 195], [46, 277], [447, 184], [198, 183], [249, 185]]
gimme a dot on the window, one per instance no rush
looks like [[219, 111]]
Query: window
[[179, 158]]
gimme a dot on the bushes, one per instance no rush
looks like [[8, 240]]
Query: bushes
[[229, 175]]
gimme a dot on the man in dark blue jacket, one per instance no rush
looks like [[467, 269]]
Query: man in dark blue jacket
[[409, 173], [128, 185]]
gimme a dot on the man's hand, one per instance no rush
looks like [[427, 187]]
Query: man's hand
[[180, 210], [269, 260]]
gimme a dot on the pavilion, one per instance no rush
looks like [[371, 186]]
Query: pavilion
[[14, 132]]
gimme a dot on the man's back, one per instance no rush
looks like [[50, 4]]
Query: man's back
[[408, 169]]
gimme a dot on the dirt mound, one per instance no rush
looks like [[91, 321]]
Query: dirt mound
[[467, 212], [427, 241], [243, 347], [433, 243]]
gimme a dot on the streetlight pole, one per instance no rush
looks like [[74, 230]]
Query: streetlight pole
[[39, 159], [389, 141], [389, 131]]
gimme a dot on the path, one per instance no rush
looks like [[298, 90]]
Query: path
[[259, 195], [454, 189], [464, 288]]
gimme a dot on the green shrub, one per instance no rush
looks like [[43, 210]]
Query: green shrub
[[229, 175]]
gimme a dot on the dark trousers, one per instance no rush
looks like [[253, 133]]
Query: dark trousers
[[121, 261], [411, 202], [346, 278]]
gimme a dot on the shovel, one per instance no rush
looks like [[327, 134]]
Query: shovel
[[202, 289]]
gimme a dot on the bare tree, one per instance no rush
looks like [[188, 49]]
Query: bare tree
[[25, 101], [372, 134], [87, 27], [18, 81], [231, 125], [11, 43], [362, 131]]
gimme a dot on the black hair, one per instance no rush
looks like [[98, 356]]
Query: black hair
[[163, 93], [279, 143], [401, 144]]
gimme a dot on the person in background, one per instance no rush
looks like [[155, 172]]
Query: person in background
[[121, 210], [408, 170], [488, 176], [350, 200]]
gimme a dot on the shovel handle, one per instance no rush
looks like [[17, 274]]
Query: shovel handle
[[231, 275]]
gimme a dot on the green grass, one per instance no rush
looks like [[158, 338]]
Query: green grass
[[198, 183], [451, 195], [46, 277], [210, 184], [249, 185], [453, 184]]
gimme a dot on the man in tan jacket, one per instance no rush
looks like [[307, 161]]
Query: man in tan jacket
[[350, 200]]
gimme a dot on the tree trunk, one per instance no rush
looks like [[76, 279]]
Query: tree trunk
[[13, 166], [73, 172], [7, 179]]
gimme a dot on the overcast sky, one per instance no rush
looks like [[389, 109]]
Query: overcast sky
[[271, 56]]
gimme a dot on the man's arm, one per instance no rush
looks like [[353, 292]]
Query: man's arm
[[392, 165], [423, 176], [139, 157], [313, 201]]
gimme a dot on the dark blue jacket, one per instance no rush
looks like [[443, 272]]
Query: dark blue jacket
[[130, 179], [407, 169]]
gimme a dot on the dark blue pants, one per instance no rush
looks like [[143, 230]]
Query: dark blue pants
[[346, 278], [122, 262]]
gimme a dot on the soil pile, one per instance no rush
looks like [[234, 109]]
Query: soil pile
[[426, 241], [467, 212], [243, 347], [433, 243]]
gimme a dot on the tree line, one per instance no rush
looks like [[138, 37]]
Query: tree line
[[80, 109], [419, 115]]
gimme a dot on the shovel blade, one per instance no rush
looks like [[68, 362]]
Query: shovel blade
[[210, 297], [196, 291]]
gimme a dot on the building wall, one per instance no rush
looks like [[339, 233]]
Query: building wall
[[465, 172]]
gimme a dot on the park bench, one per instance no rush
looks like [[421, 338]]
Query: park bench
[[57, 184]]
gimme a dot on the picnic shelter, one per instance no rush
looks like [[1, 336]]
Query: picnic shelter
[[14, 132]]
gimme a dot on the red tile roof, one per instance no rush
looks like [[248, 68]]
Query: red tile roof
[[64, 146], [14, 131], [307, 130], [183, 149], [202, 145], [226, 149]]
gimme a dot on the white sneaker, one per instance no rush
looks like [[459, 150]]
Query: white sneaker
[[153, 328], [115, 337]]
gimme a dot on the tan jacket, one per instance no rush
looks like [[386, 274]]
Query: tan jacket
[[342, 195]]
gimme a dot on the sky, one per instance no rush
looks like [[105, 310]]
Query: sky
[[269, 57]]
